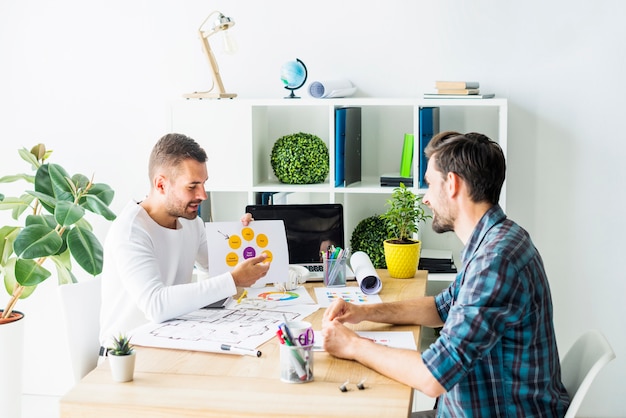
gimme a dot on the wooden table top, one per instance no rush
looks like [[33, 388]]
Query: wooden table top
[[179, 383]]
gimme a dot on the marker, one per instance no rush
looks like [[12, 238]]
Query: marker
[[241, 350], [243, 295]]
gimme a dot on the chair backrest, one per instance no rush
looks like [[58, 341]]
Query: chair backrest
[[584, 360], [81, 308]]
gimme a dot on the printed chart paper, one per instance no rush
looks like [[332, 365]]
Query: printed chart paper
[[326, 295], [230, 243]]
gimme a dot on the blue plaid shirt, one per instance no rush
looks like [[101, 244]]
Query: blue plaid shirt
[[496, 355]]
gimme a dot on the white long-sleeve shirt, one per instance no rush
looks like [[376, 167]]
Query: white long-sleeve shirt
[[147, 274]]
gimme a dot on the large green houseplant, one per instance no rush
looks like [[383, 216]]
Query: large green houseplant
[[403, 217], [50, 225]]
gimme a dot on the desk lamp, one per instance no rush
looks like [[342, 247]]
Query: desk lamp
[[221, 23]]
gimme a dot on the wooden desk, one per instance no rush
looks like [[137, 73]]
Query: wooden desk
[[176, 383]]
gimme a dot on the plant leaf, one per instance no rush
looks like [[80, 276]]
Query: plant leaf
[[68, 213], [80, 181], [103, 191], [10, 283], [86, 250], [29, 273], [29, 157], [64, 274], [61, 184], [17, 177], [38, 151], [36, 241], [94, 204], [7, 237], [16, 204]]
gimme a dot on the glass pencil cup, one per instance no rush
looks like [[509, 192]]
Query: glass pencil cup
[[334, 272], [296, 363]]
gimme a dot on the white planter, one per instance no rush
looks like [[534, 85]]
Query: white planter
[[122, 367], [11, 365]]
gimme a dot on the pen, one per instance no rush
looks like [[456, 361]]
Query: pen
[[296, 360], [243, 295], [241, 350]]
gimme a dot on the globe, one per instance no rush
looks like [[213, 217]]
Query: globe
[[293, 74]]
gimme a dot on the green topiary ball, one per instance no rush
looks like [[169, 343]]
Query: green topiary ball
[[368, 236], [300, 158]]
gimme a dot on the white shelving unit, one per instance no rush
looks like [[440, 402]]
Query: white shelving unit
[[239, 134]]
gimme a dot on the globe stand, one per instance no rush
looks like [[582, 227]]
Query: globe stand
[[292, 94]]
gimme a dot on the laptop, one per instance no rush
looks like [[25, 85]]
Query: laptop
[[310, 229]]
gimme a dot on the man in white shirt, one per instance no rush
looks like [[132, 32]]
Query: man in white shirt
[[152, 247]]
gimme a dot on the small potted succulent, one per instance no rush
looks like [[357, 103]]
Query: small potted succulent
[[403, 217], [122, 359]]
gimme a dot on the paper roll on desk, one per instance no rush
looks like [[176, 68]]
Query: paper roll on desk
[[331, 88], [365, 273]]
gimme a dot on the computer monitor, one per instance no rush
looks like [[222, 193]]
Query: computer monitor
[[310, 229]]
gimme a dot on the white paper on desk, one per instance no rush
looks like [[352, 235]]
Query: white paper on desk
[[230, 243], [396, 339], [331, 88], [326, 295], [365, 273], [207, 329]]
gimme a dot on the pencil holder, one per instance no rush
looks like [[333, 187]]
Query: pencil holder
[[296, 363], [334, 272]]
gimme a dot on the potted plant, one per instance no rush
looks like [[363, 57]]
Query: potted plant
[[403, 217], [122, 359], [49, 227], [368, 236], [300, 158]]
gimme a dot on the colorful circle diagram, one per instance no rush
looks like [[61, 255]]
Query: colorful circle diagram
[[278, 296], [247, 239]]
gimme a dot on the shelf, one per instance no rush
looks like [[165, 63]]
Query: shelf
[[239, 134]]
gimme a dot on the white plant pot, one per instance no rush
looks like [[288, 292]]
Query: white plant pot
[[11, 366], [122, 367]]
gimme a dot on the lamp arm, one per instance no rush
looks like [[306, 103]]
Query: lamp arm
[[214, 12], [215, 71]]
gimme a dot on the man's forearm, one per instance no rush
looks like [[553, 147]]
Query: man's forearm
[[421, 311]]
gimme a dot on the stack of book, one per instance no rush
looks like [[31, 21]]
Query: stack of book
[[457, 89], [436, 261]]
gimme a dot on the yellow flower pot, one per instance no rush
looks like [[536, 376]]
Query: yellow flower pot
[[402, 259]]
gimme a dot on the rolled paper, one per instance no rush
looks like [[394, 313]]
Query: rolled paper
[[365, 273], [331, 88]]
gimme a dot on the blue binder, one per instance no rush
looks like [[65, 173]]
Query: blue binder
[[340, 147], [428, 127]]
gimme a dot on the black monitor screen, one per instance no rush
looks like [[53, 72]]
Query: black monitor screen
[[310, 228]]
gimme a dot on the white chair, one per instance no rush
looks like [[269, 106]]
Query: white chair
[[581, 364], [81, 308]]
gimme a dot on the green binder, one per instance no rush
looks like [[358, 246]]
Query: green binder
[[407, 156]]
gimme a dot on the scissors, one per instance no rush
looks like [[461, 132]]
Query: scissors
[[307, 337]]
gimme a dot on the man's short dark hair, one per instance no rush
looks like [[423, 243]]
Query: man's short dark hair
[[171, 150], [475, 158]]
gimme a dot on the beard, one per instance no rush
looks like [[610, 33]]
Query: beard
[[180, 209], [442, 223]]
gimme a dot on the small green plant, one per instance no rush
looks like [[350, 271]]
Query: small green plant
[[404, 214], [300, 158], [53, 226], [368, 236], [121, 346]]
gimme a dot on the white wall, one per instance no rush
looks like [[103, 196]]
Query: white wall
[[94, 80]]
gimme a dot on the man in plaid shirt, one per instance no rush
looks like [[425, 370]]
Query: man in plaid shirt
[[496, 355]]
